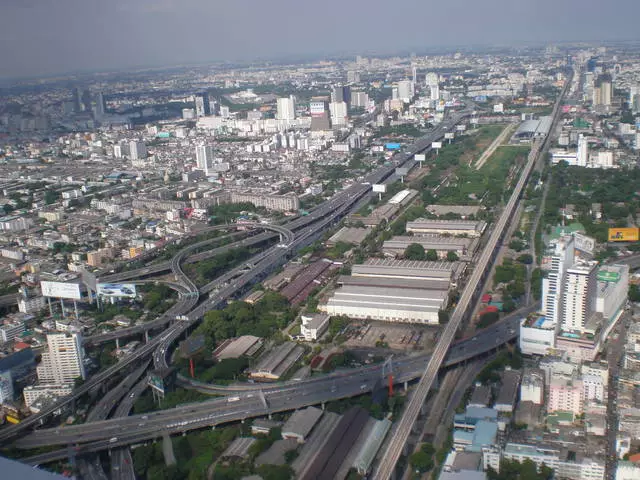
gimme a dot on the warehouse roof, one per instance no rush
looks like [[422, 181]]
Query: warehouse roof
[[301, 422], [408, 283], [462, 210], [461, 225], [349, 235], [391, 293]]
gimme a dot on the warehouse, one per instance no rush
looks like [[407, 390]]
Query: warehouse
[[403, 197], [277, 362], [463, 247], [465, 211], [388, 304], [301, 423], [447, 272], [352, 235], [470, 228]]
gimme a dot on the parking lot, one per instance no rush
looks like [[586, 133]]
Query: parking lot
[[389, 335]]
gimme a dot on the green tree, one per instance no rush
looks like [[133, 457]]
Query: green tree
[[634, 293], [432, 255], [452, 256], [516, 245], [443, 317], [421, 461], [415, 251]]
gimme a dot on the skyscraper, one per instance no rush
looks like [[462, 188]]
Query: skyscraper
[[100, 105], [286, 109], [338, 113], [341, 94], [405, 90], [579, 296], [204, 158], [86, 100], [202, 104], [63, 361], [319, 114], [137, 150], [562, 257], [77, 100]]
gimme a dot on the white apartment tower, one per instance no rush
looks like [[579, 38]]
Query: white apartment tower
[[137, 150], [579, 297], [582, 155], [286, 109], [204, 158], [562, 257], [405, 90], [63, 361]]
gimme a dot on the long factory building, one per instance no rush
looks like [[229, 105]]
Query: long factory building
[[395, 291]]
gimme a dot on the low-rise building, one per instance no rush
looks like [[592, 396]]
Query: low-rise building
[[313, 325], [470, 228], [301, 423]]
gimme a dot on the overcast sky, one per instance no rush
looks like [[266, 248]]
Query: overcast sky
[[41, 37]]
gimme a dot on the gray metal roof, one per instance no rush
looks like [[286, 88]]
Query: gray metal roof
[[426, 283], [302, 422], [12, 469]]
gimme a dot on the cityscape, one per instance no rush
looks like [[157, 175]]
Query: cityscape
[[411, 263]]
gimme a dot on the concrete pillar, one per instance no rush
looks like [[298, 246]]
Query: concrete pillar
[[117, 343], [146, 336], [270, 417], [406, 386], [322, 405]]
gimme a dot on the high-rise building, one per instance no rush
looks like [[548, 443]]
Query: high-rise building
[[582, 155], [86, 101], [341, 94], [405, 90], [339, 116], [6, 387], [359, 100], [77, 100], [63, 361], [286, 109], [353, 76], [562, 256], [204, 158], [579, 298], [202, 105], [100, 106], [319, 114], [414, 76], [137, 150]]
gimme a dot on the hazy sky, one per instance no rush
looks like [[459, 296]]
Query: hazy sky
[[40, 37]]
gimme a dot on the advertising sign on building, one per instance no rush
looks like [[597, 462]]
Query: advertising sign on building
[[122, 290], [606, 276], [584, 244], [392, 146], [623, 234], [60, 290]]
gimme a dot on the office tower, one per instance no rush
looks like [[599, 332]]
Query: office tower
[[339, 115], [137, 150], [100, 105], [341, 94], [395, 95], [414, 76], [6, 387], [204, 158], [202, 104], [77, 100], [405, 90], [353, 76], [582, 156], [86, 100], [562, 257], [579, 296], [605, 89], [214, 107], [359, 100], [286, 109], [63, 360], [224, 111], [319, 114]]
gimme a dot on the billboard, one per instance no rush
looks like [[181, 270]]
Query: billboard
[[461, 128], [436, 144], [392, 146], [449, 135], [60, 290], [624, 234], [584, 243], [402, 171], [156, 382], [420, 157], [127, 290], [607, 276], [379, 188]]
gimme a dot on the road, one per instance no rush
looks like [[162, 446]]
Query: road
[[395, 446]]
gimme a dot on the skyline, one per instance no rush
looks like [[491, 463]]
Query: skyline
[[72, 36]]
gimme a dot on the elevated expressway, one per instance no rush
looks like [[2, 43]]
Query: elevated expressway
[[96, 436], [400, 434], [307, 229]]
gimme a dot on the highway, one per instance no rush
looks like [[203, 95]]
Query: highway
[[399, 436], [307, 229], [279, 397]]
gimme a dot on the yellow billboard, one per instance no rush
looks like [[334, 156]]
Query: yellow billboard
[[624, 234]]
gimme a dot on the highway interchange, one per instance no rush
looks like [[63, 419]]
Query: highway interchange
[[124, 430]]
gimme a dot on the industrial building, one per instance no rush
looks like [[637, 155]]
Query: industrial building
[[277, 362], [465, 211], [352, 235], [393, 291], [313, 325], [470, 228], [463, 247], [301, 423], [532, 129], [246, 345]]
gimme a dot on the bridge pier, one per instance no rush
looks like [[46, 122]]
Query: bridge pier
[[146, 336], [322, 405], [117, 343], [406, 386]]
